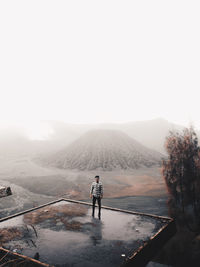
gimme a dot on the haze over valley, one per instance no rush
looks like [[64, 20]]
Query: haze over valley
[[65, 163]]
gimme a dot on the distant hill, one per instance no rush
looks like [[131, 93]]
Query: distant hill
[[104, 150]]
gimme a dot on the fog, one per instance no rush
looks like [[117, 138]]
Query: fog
[[69, 68], [98, 62], [55, 135]]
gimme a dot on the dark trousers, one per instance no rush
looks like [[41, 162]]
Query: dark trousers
[[94, 199]]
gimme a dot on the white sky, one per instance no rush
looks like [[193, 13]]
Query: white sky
[[99, 61]]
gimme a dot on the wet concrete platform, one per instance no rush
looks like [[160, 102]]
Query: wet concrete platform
[[64, 233]]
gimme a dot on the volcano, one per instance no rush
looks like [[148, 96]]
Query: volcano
[[104, 150]]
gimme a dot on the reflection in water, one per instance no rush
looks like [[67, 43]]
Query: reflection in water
[[96, 233]]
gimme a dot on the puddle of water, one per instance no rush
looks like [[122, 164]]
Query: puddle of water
[[66, 234]]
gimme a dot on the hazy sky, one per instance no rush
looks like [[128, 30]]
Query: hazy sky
[[99, 61]]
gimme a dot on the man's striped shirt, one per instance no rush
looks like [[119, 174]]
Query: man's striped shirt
[[96, 189]]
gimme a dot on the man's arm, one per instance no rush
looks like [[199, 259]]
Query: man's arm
[[91, 190]]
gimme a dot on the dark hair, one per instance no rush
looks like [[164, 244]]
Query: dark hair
[[97, 176]]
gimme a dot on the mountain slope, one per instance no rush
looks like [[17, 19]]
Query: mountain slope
[[104, 150]]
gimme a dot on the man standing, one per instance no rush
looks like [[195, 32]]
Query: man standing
[[96, 193]]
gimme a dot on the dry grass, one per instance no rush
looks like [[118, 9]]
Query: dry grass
[[60, 213], [8, 234], [72, 225]]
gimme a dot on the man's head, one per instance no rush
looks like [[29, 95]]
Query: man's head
[[97, 178]]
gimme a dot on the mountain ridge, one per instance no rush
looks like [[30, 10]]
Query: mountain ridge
[[105, 150]]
